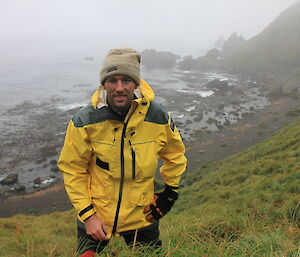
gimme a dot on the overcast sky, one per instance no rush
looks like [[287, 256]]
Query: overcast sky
[[181, 26]]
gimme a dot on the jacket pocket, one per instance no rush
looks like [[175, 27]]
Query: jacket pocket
[[142, 193], [144, 159], [101, 187]]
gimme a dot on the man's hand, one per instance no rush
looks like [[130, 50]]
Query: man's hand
[[95, 227], [161, 205]]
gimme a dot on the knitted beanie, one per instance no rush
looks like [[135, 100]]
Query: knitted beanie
[[121, 61]]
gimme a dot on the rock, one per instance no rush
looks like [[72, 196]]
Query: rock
[[10, 179], [198, 118], [20, 188], [158, 59], [54, 169], [49, 152], [232, 43], [220, 126], [53, 162], [38, 180], [221, 106], [45, 165], [211, 121], [36, 186], [187, 64], [41, 160], [213, 54], [17, 189], [227, 123], [218, 84]]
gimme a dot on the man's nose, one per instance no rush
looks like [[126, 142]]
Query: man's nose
[[119, 85]]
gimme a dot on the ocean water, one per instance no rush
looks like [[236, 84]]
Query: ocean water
[[72, 77], [39, 76], [40, 91], [69, 79]]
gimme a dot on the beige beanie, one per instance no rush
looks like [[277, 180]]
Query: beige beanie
[[121, 61]]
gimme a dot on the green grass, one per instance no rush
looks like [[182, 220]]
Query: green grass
[[245, 205]]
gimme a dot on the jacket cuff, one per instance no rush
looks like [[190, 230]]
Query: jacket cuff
[[173, 188], [87, 212]]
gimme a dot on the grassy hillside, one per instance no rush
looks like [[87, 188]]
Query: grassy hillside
[[277, 48], [245, 205]]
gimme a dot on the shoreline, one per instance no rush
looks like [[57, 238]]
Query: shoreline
[[208, 147], [34, 131]]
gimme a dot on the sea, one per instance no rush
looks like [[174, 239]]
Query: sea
[[65, 80]]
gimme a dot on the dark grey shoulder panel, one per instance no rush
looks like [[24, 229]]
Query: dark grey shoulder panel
[[157, 114], [88, 115]]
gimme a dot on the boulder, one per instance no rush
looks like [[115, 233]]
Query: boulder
[[17, 189], [158, 59], [20, 188], [36, 186], [218, 84], [54, 169], [213, 54], [187, 64], [10, 179], [37, 181], [53, 162]]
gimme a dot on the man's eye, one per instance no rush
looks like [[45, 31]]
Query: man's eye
[[126, 80], [112, 80]]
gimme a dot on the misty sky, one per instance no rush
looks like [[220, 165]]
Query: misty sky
[[181, 26]]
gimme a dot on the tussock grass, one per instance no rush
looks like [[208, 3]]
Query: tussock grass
[[245, 205]]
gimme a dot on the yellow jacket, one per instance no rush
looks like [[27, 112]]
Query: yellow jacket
[[109, 165]]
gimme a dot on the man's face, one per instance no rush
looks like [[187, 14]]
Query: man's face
[[120, 92]]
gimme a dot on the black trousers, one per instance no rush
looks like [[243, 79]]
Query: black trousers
[[146, 236]]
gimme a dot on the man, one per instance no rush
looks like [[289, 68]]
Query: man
[[110, 157]]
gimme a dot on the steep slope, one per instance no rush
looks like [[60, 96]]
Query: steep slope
[[246, 205], [277, 48]]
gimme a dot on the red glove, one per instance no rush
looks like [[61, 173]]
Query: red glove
[[88, 253]]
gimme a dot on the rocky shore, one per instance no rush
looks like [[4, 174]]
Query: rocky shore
[[214, 127]]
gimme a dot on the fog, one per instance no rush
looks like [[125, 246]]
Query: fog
[[184, 27]]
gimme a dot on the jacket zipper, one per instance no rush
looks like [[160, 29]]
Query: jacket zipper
[[133, 161], [121, 181]]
